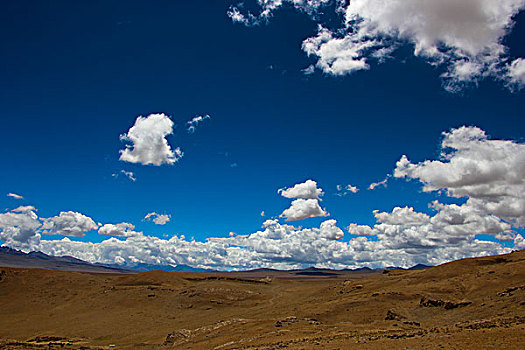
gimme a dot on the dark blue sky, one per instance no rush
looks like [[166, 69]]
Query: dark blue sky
[[75, 76]]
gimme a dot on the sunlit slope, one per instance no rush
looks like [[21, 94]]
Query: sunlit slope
[[472, 303]]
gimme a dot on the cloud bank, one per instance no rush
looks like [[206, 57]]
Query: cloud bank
[[448, 235], [464, 37], [286, 246]]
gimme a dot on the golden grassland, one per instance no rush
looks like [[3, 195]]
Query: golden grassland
[[468, 304]]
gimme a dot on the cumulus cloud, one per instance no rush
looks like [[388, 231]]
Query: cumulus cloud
[[21, 227], [329, 230], [449, 234], [123, 229], [519, 242], [158, 219], [15, 196], [68, 223], [286, 246], [402, 216], [192, 124], [148, 141], [305, 190], [452, 226], [337, 56], [506, 236], [18, 228], [360, 230], [490, 173], [465, 37], [302, 209]]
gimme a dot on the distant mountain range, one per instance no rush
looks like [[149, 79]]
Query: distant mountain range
[[141, 267], [37, 260], [14, 258]]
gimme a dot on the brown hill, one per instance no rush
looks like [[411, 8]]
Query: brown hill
[[468, 304]]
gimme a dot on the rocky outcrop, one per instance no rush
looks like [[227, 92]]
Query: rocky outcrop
[[446, 304]]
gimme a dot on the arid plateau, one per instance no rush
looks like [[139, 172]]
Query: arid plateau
[[467, 304]]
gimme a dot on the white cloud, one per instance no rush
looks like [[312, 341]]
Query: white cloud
[[452, 226], [148, 141], [488, 172], [286, 246], [337, 56], [517, 71], [18, 229], [309, 70], [305, 190], [302, 209], [15, 196], [68, 223], [24, 209], [375, 185], [352, 189], [449, 234], [343, 190], [329, 230], [506, 236], [123, 229], [268, 7], [158, 219], [192, 124], [129, 174], [465, 37], [402, 216], [519, 242], [237, 16], [361, 230]]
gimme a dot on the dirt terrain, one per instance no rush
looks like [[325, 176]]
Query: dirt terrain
[[468, 304]]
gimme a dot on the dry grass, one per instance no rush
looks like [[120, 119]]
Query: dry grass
[[468, 304]]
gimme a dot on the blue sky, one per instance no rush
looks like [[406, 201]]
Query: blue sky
[[76, 77]]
